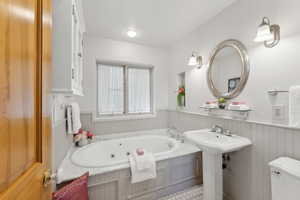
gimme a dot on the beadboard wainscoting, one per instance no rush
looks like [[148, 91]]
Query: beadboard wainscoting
[[247, 176], [160, 121], [173, 175]]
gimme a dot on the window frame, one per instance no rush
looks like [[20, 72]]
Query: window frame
[[126, 115]]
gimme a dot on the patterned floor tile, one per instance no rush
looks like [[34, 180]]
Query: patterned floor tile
[[194, 193]]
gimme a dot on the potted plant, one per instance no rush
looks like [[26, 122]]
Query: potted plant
[[222, 103]]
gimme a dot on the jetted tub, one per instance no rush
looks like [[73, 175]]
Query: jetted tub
[[105, 153], [178, 165]]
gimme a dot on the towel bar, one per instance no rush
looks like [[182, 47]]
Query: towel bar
[[274, 92]]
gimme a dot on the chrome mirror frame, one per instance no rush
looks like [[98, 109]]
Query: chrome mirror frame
[[242, 51]]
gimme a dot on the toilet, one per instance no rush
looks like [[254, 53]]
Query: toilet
[[285, 179]]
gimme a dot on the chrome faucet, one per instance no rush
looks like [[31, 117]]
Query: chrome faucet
[[175, 133], [217, 129], [221, 130]]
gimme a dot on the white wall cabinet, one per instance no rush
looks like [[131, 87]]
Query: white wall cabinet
[[68, 25]]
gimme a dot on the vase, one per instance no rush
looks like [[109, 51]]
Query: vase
[[181, 100]]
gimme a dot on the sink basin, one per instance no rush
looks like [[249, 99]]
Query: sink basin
[[216, 142]]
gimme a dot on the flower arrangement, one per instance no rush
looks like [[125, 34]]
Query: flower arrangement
[[83, 137], [181, 96]]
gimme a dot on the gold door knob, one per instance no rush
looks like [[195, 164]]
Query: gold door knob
[[48, 177]]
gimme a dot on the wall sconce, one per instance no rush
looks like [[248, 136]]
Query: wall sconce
[[195, 60], [267, 33]]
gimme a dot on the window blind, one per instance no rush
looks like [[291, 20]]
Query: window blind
[[110, 89], [139, 90]]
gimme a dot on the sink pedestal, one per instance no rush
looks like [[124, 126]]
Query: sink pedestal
[[212, 176], [213, 145]]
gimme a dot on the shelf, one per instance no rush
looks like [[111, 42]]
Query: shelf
[[226, 109]]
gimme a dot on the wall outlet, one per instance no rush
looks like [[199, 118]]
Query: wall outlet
[[278, 113]]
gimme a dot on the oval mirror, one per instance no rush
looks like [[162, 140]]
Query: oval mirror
[[228, 69]]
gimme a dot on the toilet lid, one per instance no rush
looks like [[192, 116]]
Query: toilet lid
[[288, 165]]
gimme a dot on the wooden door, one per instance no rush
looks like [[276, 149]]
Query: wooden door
[[25, 128]]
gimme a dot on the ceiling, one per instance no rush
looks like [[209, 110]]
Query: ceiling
[[157, 22]]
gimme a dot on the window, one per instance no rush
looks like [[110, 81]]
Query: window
[[124, 90]]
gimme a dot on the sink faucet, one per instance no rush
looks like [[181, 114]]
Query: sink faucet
[[221, 130], [217, 129]]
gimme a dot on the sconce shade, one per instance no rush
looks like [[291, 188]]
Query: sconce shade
[[195, 60], [264, 34], [192, 60], [267, 33]]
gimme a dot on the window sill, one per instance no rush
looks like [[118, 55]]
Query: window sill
[[126, 117]]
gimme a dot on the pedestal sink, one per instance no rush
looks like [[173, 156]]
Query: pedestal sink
[[213, 146]]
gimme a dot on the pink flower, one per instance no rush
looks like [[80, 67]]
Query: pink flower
[[90, 135], [181, 90]]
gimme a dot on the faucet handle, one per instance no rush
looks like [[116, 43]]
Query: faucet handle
[[214, 128], [217, 129], [227, 132]]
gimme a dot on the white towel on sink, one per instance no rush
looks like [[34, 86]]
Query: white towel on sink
[[143, 167]]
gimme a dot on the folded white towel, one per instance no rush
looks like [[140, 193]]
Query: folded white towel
[[146, 169], [144, 161], [294, 108], [238, 107], [210, 106], [73, 118]]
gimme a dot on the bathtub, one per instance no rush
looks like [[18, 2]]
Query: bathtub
[[113, 152], [106, 160]]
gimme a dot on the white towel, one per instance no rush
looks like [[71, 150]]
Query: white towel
[[73, 118], [238, 107], [294, 108], [144, 161], [147, 164]]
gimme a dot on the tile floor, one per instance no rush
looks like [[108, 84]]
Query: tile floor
[[194, 193]]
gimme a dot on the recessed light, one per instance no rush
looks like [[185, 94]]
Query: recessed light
[[131, 33]]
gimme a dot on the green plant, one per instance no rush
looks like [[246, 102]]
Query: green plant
[[221, 100]]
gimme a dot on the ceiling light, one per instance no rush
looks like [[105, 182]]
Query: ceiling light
[[195, 60], [267, 33], [131, 33]]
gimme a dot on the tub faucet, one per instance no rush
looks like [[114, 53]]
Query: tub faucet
[[175, 133], [172, 131]]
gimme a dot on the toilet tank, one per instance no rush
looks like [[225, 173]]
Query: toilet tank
[[285, 179]]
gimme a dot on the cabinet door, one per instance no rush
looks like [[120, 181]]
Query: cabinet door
[[77, 53], [75, 47], [80, 62]]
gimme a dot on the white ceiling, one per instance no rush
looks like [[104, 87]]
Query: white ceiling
[[157, 22]]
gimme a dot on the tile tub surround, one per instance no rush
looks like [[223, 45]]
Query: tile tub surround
[[62, 141], [160, 121], [247, 176]]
